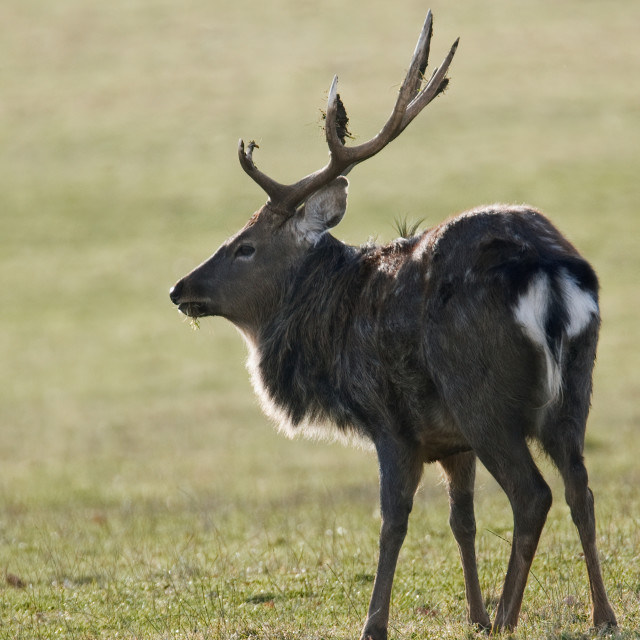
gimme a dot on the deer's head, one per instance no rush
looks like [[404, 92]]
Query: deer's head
[[244, 277]]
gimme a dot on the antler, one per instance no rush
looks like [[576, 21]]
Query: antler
[[410, 101]]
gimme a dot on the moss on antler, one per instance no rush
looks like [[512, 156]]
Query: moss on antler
[[342, 121]]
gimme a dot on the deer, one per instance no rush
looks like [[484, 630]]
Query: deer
[[467, 341]]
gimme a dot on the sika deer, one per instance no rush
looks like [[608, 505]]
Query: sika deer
[[467, 340]]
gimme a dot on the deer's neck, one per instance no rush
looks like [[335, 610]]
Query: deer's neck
[[318, 356]]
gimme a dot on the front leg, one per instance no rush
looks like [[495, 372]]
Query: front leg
[[400, 473]]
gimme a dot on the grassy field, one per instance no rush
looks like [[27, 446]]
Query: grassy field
[[142, 493]]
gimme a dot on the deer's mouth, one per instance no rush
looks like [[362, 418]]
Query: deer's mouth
[[192, 309], [188, 304]]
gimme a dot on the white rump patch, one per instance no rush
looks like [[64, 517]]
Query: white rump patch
[[581, 306], [532, 312]]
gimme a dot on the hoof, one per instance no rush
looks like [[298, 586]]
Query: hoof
[[606, 627], [374, 634], [606, 621], [482, 627]]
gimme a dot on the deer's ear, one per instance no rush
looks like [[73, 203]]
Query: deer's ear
[[323, 210]]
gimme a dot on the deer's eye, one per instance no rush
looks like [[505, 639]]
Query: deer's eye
[[244, 251]]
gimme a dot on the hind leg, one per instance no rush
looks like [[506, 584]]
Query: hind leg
[[496, 428], [566, 452], [460, 470], [563, 439], [512, 466]]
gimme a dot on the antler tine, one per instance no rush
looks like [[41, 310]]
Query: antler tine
[[336, 146], [273, 189], [432, 89], [420, 57], [338, 156]]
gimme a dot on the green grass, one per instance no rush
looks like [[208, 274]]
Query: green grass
[[142, 493]]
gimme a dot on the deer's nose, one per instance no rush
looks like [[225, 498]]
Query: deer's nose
[[174, 292]]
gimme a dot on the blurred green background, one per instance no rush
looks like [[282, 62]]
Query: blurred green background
[[118, 173]]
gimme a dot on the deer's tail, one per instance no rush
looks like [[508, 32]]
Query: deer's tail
[[558, 304]]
